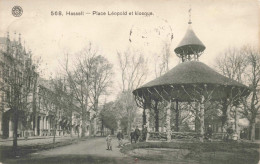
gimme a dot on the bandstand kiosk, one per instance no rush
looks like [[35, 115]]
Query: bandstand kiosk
[[189, 81]]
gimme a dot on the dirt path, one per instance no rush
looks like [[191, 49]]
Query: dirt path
[[88, 147]]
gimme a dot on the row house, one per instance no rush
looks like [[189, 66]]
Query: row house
[[13, 59], [54, 116], [41, 116]]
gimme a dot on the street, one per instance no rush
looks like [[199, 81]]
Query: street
[[92, 150], [95, 146]]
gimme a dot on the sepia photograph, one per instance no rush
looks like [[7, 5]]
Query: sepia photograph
[[129, 82]]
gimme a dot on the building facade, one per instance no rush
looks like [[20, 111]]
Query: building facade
[[41, 114]]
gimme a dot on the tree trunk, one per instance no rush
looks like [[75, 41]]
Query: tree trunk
[[228, 114], [144, 117], [202, 125], [236, 124], [54, 130], [102, 127], [71, 129], [197, 119], [253, 131], [84, 119], [71, 114], [54, 135], [156, 111], [90, 129], [15, 119], [177, 116], [34, 103], [224, 115], [147, 124], [129, 123], [168, 121], [95, 120]]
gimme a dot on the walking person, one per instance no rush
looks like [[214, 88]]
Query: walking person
[[120, 138], [109, 142]]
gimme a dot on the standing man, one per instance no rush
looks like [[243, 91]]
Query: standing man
[[144, 133], [120, 137], [137, 133]]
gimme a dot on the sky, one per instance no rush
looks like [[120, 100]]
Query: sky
[[219, 24]]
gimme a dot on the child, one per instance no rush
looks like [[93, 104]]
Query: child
[[109, 142]]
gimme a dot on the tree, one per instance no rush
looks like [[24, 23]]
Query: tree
[[251, 104], [161, 62], [20, 76], [133, 69], [231, 65], [88, 80], [79, 81], [108, 117], [161, 66], [242, 65], [101, 78]]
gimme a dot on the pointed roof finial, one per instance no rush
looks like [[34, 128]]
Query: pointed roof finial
[[190, 15]]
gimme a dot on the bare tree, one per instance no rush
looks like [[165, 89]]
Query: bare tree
[[251, 104], [242, 65], [88, 79], [133, 69], [161, 62], [232, 64], [79, 82], [101, 78], [161, 66]]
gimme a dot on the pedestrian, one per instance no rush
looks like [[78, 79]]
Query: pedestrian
[[120, 137], [144, 133], [109, 142], [137, 134]]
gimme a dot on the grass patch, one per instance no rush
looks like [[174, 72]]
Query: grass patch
[[208, 152], [7, 152]]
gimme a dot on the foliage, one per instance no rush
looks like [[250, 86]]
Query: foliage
[[108, 117], [124, 122]]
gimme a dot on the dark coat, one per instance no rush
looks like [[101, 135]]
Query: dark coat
[[120, 135]]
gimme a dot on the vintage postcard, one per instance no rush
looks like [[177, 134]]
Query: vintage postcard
[[134, 81]]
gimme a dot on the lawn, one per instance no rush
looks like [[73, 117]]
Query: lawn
[[208, 152]]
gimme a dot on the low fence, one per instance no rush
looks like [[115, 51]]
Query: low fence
[[183, 135]]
